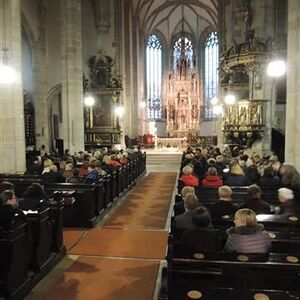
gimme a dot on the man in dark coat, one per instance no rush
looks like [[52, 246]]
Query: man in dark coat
[[254, 201]]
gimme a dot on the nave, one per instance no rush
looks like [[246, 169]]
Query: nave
[[122, 258]]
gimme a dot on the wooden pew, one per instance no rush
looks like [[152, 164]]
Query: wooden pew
[[233, 271], [14, 256], [41, 229]]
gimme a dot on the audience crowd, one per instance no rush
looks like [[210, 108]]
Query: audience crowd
[[81, 167], [210, 167]]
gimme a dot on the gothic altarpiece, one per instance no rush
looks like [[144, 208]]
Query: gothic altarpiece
[[182, 99]]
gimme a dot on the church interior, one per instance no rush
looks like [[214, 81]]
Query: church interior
[[149, 149]]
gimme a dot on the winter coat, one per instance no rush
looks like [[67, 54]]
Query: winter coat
[[212, 180], [248, 239]]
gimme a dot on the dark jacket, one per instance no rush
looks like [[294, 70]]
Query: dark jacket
[[76, 179], [52, 177], [252, 173], [269, 181], [184, 221], [222, 208], [248, 239], [288, 208], [237, 180], [257, 205], [33, 203], [7, 215]]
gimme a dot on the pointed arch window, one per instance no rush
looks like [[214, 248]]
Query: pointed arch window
[[154, 77], [185, 46], [211, 73]]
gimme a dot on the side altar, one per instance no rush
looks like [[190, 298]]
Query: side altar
[[102, 126]]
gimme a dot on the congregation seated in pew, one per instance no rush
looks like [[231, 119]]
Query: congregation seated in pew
[[247, 236]]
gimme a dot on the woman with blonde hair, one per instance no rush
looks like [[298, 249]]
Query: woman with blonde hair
[[247, 236], [236, 176]]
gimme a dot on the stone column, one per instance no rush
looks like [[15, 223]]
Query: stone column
[[40, 80], [12, 133], [72, 91], [292, 137]]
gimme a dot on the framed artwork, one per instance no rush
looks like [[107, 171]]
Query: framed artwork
[[101, 113]]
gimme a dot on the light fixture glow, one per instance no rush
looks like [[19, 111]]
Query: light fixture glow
[[89, 101], [119, 111], [276, 68], [7, 74], [217, 109], [214, 101], [230, 99], [143, 104]]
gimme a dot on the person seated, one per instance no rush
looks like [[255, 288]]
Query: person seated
[[47, 164], [247, 236], [179, 206], [76, 178], [9, 208], [6, 185], [84, 169], [212, 179], [268, 179], [185, 221], [34, 198], [68, 172], [236, 176], [124, 158], [52, 176], [188, 159], [188, 178], [202, 238], [34, 167], [255, 202], [250, 171], [93, 175], [224, 206], [287, 202]]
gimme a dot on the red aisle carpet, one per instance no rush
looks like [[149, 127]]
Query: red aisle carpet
[[120, 262]]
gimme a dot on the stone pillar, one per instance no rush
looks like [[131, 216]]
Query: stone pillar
[[292, 137], [40, 80], [12, 133], [72, 91]]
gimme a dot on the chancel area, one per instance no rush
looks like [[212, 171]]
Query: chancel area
[[149, 149]]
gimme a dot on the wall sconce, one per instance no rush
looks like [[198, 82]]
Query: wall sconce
[[89, 101], [119, 111], [230, 99], [276, 68]]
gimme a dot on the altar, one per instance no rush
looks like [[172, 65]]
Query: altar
[[169, 143]]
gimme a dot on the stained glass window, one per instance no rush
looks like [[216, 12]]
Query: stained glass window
[[211, 76], [185, 44], [154, 77]]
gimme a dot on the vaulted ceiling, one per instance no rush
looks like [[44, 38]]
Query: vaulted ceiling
[[167, 16]]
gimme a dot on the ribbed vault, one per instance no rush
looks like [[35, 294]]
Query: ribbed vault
[[168, 16]]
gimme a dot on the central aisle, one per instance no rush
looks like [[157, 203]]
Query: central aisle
[[120, 260]]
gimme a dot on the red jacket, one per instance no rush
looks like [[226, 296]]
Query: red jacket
[[189, 180], [212, 180]]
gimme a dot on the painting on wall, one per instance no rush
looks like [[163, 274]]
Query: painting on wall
[[101, 112]]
